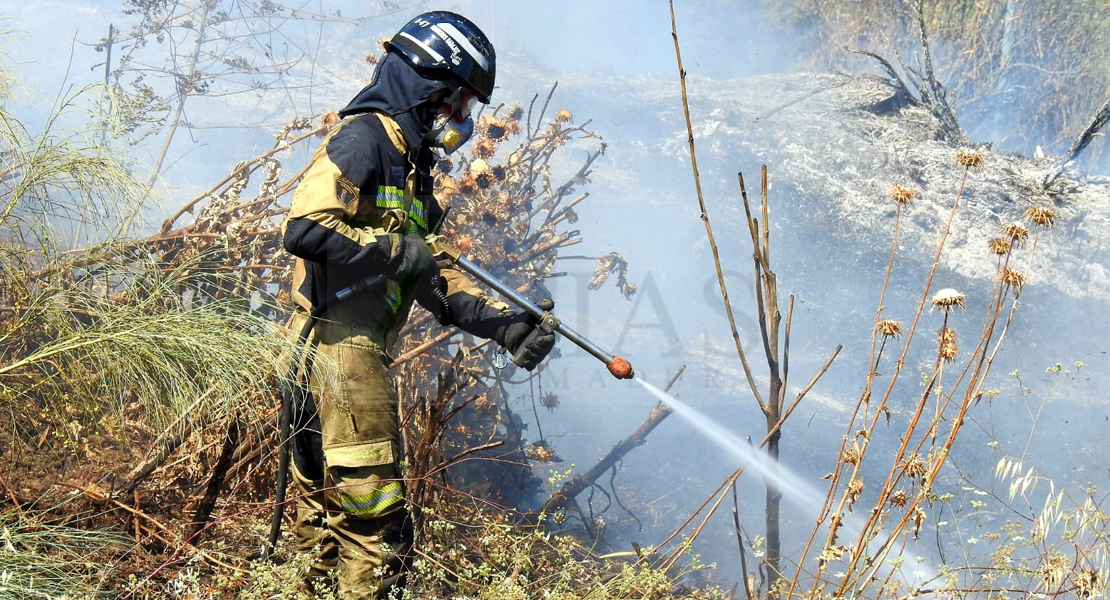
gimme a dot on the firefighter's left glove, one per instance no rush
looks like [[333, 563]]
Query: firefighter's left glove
[[524, 339], [410, 261]]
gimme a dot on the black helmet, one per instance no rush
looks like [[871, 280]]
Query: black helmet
[[442, 40]]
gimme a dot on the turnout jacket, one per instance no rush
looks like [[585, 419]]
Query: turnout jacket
[[363, 184]]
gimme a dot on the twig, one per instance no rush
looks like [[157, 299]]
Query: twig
[[704, 214]]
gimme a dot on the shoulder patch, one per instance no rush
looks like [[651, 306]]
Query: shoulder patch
[[346, 191]]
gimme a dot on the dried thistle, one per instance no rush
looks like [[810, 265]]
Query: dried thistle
[[899, 498], [446, 187], [329, 120], [563, 116], [516, 112], [550, 401], [889, 328], [855, 488], [1016, 232], [478, 166], [947, 298], [1011, 278], [918, 521], [467, 185], [969, 159], [1041, 215], [914, 466], [484, 148], [902, 195], [948, 347], [850, 456], [1001, 246]]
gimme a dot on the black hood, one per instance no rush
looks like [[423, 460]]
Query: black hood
[[398, 90]]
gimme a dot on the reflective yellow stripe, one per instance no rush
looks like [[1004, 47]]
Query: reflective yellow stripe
[[393, 295], [417, 214], [390, 196], [376, 501]]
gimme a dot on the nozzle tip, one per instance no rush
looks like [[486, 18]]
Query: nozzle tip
[[621, 368]]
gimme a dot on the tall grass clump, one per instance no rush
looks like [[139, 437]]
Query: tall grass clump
[[106, 327], [40, 558]]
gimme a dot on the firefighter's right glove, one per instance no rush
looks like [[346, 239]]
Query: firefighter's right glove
[[524, 339], [410, 261]]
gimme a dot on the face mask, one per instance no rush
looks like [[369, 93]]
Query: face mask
[[453, 126]]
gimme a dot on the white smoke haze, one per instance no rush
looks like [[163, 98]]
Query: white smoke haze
[[833, 150]]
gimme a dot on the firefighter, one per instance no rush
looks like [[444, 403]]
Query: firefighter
[[363, 208]]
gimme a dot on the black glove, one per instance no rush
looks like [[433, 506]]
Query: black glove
[[410, 261], [524, 339]]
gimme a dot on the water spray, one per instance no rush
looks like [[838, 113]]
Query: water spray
[[795, 489]]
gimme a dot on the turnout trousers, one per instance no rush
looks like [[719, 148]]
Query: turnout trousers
[[346, 465]]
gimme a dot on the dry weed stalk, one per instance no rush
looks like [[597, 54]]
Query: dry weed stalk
[[897, 510], [773, 404]]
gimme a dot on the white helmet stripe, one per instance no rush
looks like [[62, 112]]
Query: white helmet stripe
[[435, 55], [449, 30]]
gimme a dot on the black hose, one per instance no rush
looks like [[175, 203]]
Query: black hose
[[439, 292], [291, 386]]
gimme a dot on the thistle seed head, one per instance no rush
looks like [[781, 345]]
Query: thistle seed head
[[1011, 278], [969, 159], [1001, 246], [484, 148], [1017, 233], [889, 328], [947, 298], [899, 498], [902, 195], [1041, 215], [563, 116]]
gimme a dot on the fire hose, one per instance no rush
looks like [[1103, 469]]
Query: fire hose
[[293, 391]]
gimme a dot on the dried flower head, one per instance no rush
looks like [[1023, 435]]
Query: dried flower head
[[463, 243], [329, 120], [563, 116], [446, 187], [484, 148], [850, 456], [855, 488], [902, 195], [484, 180], [947, 298], [969, 159], [444, 165], [948, 348], [1001, 246], [467, 185], [889, 328], [918, 521], [914, 466], [516, 112], [372, 59], [899, 498], [550, 401], [498, 172], [541, 451], [1010, 277], [1017, 233], [1041, 215], [478, 166]]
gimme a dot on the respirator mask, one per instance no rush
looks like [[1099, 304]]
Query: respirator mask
[[453, 125]]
